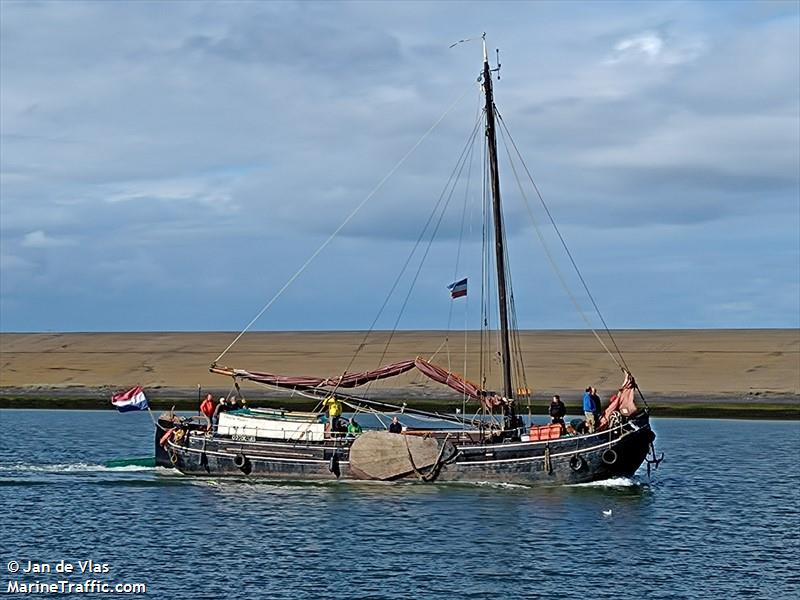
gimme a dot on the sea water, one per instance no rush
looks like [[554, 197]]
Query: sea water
[[719, 519]]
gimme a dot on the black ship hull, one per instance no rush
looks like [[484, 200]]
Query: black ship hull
[[617, 452]]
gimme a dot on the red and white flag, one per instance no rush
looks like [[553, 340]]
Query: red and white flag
[[133, 399]]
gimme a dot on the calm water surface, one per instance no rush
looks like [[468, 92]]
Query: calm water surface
[[718, 520]]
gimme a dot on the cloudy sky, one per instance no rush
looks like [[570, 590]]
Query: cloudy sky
[[169, 165]]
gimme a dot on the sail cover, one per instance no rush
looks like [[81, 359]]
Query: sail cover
[[351, 380]]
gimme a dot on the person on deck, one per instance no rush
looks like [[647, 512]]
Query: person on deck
[[576, 427], [557, 412], [588, 409], [353, 428], [207, 408], [222, 406], [334, 408], [598, 408], [395, 426], [232, 403]]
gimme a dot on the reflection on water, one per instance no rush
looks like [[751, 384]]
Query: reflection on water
[[718, 520]]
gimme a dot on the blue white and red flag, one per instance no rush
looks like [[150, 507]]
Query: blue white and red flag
[[133, 399], [458, 288]]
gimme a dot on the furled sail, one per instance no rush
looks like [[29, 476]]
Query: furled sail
[[350, 380]]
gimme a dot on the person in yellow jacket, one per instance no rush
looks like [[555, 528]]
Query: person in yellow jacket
[[334, 408]]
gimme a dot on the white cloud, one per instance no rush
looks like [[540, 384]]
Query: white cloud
[[654, 48], [39, 239], [214, 195], [648, 43]]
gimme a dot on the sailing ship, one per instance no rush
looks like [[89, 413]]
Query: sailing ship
[[496, 445]]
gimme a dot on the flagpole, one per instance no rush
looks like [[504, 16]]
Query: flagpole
[[125, 399], [152, 418]]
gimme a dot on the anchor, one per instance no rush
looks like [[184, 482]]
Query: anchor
[[652, 460]]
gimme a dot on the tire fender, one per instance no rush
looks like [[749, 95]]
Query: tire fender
[[239, 461], [577, 463]]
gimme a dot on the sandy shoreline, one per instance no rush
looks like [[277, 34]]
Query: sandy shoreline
[[718, 367]]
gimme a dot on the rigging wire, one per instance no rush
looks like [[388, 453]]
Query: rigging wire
[[490, 343], [455, 270], [315, 393], [352, 214], [413, 250], [504, 131], [482, 371], [421, 236], [515, 359], [460, 166], [486, 279], [493, 341], [460, 243]]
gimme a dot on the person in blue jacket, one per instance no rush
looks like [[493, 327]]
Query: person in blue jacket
[[589, 409], [598, 407]]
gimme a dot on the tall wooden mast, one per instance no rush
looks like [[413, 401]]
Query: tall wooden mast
[[500, 256]]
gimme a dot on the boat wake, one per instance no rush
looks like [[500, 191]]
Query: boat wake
[[76, 468], [614, 482], [498, 485]]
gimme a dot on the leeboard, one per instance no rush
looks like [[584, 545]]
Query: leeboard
[[382, 455]]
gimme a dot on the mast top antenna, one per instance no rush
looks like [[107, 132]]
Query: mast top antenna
[[486, 57]]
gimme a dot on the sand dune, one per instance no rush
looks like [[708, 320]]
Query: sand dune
[[725, 363]]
